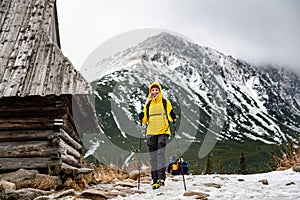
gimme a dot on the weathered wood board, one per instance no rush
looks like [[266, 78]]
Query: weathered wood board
[[44, 103]]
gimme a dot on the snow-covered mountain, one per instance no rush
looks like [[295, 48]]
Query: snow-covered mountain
[[218, 98]]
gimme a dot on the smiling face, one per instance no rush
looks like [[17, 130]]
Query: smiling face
[[154, 91]]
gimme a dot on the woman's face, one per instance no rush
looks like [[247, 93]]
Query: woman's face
[[154, 92]]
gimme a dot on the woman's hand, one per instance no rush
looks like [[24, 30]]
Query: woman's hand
[[149, 98]]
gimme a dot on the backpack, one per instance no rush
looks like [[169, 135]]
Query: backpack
[[176, 166], [165, 107]]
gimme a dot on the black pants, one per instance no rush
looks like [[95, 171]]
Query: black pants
[[157, 148]]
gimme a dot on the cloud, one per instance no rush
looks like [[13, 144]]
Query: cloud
[[253, 30]]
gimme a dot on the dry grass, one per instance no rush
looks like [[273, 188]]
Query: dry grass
[[101, 174], [289, 157], [109, 174]]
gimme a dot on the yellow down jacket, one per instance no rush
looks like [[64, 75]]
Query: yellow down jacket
[[157, 121]]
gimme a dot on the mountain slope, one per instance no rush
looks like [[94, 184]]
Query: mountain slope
[[217, 97]]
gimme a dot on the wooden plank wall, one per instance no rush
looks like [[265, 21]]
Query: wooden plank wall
[[38, 128], [38, 133]]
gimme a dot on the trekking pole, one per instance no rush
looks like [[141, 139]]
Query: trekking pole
[[178, 155], [140, 147]]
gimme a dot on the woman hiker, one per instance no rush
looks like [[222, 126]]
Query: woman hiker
[[156, 114]]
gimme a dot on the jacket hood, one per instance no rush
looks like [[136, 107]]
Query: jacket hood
[[159, 98]]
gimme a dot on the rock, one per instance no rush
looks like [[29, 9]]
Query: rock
[[114, 192], [77, 171], [221, 178], [125, 184], [241, 180], [31, 179], [199, 195], [202, 196], [65, 193], [146, 180], [297, 168], [8, 186], [215, 185], [134, 174], [174, 179], [94, 194], [290, 183], [42, 198], [26, 194], [264, 181], [19, 176], [190, 193], [2, 192], [85, 170]]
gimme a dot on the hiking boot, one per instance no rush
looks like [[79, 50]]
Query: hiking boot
[[161, 182], [155, 186]]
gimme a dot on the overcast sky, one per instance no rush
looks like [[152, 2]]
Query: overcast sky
[[257, 31]]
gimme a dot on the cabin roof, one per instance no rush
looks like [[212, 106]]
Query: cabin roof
[[31, 61]]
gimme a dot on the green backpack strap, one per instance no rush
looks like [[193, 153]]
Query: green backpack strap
[[165, 107]]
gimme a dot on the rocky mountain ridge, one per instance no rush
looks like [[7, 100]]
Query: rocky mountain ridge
[[217, 97]]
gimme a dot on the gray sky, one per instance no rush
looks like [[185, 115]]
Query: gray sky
[[257, 31]]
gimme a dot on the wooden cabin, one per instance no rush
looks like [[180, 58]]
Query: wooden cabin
[[44, 101]]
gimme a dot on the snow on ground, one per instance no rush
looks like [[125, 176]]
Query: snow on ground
[[281, 185]]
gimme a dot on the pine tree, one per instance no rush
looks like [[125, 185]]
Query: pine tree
[[273, 164], [221, 169], [242, 169], [209, 166], [196, 170], [291, 149]]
